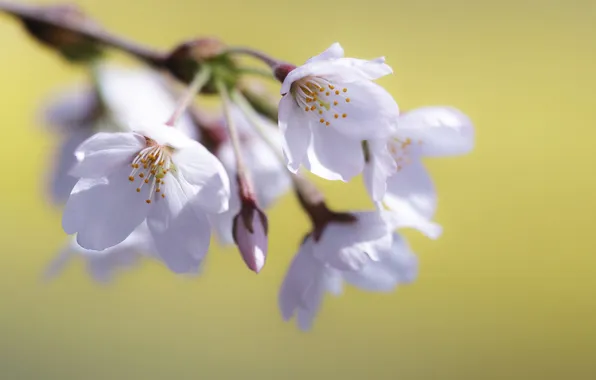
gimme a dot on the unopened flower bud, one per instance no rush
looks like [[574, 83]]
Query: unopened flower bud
[[186, 60], [250, 229], [282, 71]]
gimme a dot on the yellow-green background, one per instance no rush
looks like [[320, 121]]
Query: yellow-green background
[[507, 292]]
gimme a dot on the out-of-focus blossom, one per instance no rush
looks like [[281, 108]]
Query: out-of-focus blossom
[[332, 103], [156, 174], [122, 95], [308, 278]]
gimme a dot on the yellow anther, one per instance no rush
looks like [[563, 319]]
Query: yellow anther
[[306, 108], [157, 190], [327, 93], [335, 103], [322, 121], [345, 90], [336, 116], [148, 201], [327, 123], [131, 178], [138, 189], [141, 175], [336, 92], [347, 100], [320, 112], [163, 195], [312, 108], [321, 89], [344, 115], [331, 86], [146, 180]]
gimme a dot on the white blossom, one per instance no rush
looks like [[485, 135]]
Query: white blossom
[[331, 103], [394, 173], [155, 174], [308, 279]]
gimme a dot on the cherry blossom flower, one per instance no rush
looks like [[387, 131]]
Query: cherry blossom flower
[[122, 95], [394, 173], [332, 103], [308, 279], [155, 174]]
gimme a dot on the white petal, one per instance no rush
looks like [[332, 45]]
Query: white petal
[[304, 286], [181, 234], [334, 156], [329, 69], [209, 183], [371, 112], [409, 217], [222, 222], [165, 135], [397, 265], [104, 211], [61, 183], [339, 244], [368, 69], [100, 154], [412, 185], [378, 169], [333, 52], [294, 126], [440, 131]]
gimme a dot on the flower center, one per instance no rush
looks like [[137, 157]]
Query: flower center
[[402, 150], [151, 166], [321, 98]]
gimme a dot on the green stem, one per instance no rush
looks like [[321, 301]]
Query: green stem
[[201, 78]]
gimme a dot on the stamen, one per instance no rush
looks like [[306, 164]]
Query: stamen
[[156, 162]]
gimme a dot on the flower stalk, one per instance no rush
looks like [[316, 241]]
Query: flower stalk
[[201, 78]]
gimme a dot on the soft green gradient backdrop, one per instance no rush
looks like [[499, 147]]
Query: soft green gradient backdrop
[[507, 292]]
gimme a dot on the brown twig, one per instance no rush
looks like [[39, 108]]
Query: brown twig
[[83, 27]]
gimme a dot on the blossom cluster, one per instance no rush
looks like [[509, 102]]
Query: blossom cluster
[[143, 171]]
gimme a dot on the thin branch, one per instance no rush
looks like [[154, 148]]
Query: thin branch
[[85, 28]]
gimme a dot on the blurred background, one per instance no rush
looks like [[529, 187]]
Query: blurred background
[[507, 292]]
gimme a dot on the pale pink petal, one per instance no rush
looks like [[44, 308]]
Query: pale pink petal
[[439, 131], [378, 169], [334, 156], [294, 126], [334, 51], [181, 234], [103, 152], [209, 185], [339, 244], [412, 187], [104, 211], [61, 182], [370, 111]]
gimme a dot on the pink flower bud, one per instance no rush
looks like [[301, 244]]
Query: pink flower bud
[[250, 234]]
